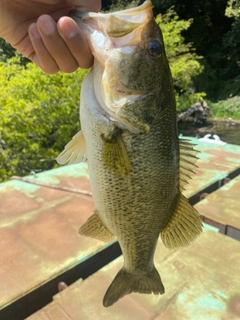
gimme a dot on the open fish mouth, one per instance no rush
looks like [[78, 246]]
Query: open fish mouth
[[113, 30], [118, 24], [114, 39]]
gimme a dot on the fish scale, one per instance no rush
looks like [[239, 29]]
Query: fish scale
[[137, 165]]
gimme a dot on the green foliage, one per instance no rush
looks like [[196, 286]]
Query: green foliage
[[226, 109], [184, 62], [231, 39], [6, 50], [39, 114], [116, 5], [231, 87], [233, 9]]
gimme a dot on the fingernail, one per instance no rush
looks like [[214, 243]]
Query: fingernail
[[47, 26], [68, 28]]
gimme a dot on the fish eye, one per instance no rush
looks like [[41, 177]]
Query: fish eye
[[154, 48]]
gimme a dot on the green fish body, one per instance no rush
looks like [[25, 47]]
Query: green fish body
[[137, 166]]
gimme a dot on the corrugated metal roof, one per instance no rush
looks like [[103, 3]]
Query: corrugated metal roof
[[39, 227], [40, 218], [215, 163], [202, 282], [223, 205]]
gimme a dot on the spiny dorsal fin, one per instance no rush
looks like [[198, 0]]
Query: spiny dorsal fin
[[184, 226], [74, 151], [94, 228], [187, 162]]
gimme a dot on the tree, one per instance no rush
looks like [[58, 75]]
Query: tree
[[39, 114], [231, 39], [6, 50], [184, 62]]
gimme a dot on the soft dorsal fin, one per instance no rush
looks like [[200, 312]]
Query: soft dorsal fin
[[74, 151], [187, 162], [184, 226]]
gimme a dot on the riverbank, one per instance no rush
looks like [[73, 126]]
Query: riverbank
[[227, 129], [228, 121]]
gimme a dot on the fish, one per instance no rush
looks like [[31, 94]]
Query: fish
[[138, 167]]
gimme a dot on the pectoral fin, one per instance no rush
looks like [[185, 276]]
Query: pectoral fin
[[114, 153], [184, 226], [94, 228], [74, 151]]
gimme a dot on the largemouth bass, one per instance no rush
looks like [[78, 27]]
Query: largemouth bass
[[137, 165]]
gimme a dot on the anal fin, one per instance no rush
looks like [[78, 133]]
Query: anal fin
[[94, 228], [184, 226]]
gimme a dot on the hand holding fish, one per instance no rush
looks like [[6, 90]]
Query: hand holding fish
[[42, 31]]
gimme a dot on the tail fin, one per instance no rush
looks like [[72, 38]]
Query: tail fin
[[125, 283]]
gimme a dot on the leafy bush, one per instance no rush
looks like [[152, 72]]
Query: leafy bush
[[225, 109], [6, 50], [117, 5], [39, 114], [184, 62]]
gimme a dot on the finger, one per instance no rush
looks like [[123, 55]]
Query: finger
[[55, 45], [25, 46], [40, 55], [76, 42]]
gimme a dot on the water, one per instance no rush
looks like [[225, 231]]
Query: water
[[228, 132]]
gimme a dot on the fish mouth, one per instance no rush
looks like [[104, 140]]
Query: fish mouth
[[116, 24], [113, 30], [121, 23], [110, 36]]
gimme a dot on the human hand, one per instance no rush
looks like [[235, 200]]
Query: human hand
[[42, 31]]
